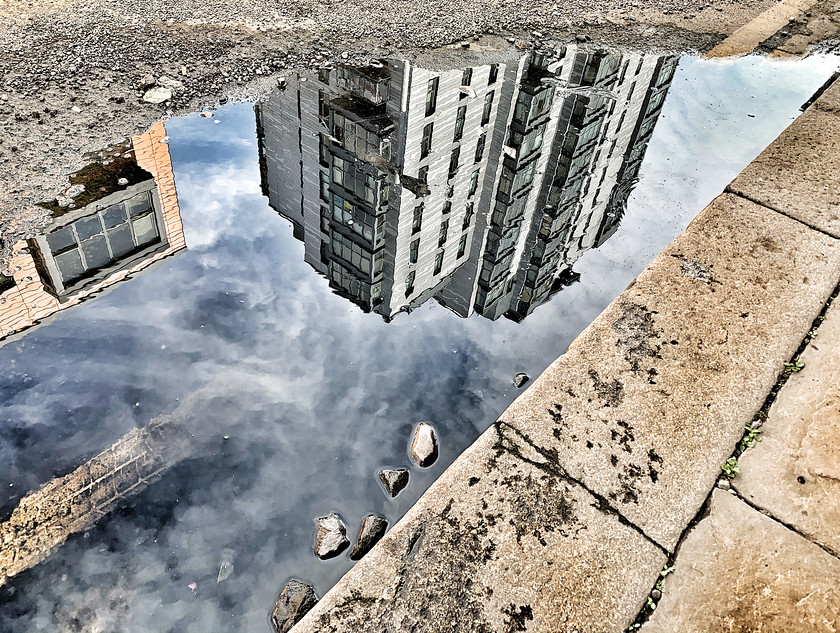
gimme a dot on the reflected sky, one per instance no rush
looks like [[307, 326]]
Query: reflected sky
[[238, 336]]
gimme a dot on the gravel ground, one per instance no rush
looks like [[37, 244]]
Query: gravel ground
[[71, 70]]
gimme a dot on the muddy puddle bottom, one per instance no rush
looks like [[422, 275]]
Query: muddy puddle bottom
[[235, 320]]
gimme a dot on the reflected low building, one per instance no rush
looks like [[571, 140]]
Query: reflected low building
[[478, 186], [122, 220]]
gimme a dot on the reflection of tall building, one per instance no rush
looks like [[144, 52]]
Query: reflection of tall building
[[124, 218], [479, 186]]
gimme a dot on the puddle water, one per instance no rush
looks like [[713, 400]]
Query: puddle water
[[224, 348]]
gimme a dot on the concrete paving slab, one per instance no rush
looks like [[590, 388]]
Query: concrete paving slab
[[797, 173], [794, 472], [739, 570], [501, 542], [653, 396]]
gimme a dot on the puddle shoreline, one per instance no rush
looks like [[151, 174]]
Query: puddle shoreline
[[253, 334]]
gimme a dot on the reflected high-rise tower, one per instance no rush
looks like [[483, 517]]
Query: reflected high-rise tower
[[478, 186]]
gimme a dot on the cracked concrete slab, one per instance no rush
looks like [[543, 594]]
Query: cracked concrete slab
[[501, 542], [796, 174], [794, 472], [653, 396], [739, 570]]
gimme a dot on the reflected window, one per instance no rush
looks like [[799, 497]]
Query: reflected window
[[479, 148], [409, 283], [438, 262], [414, 251], [488, 106], [351, 252], [353, 217], [468, 216], [417, 222], [97, 240], [453, 161], [355, 138], [431, 96], [460, 118], [423, 174], [426, 142], [346, 174], [473, 183], [494, 74], [462, 246], [444, 230]]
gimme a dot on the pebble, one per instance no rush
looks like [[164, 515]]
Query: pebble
[[424, 445], [294, 602], [157, 95], [656, 594], [394, 480], [520, 379], [331, 538]]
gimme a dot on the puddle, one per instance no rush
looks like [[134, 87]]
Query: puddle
[[235, 339]]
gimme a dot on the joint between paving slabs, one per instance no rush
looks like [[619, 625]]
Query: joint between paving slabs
[[828, 550], [549, 464], [759, 418], [740, 194]]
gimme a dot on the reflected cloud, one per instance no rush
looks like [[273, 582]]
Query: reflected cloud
[[480, 187]]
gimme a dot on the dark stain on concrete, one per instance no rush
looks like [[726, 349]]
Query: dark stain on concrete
[[517, 617], [623, 435], [610, 392], [635, 328]]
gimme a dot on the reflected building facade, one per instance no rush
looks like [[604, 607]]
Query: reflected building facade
[[122, 220], [478, 186]]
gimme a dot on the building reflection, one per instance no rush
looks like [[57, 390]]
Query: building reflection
[[479, 187], [123, 217]]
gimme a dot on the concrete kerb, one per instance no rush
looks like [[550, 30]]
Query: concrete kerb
[[612, 451]]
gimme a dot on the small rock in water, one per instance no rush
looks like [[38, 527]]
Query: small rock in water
[[226, 566], [520, 379], [157, 95], [122, 182], [656, 594], [424, 445], [373, 528], [295, 601], [394, 480], [331, 538]]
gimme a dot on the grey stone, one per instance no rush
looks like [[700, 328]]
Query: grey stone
[[295, 601], [796, 174], [794, 471], [373, 528], [520, 379], [157, 95], [739, 570], [122, 182], [652, 398], [424, 445], [394, 480], [501, 542], [147, 82], [331, 537]]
